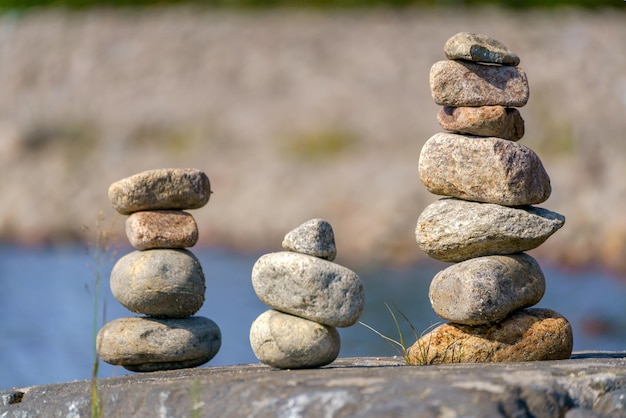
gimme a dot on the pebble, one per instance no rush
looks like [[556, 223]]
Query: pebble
[[499, 121], [478, 48], [161, 283], [483, 169], [289, 342], [486, 290], [454, 230], [314, 237], [309, 287], [173, 188], [527, 335], [456, 83], [149, 344], [161, 229]]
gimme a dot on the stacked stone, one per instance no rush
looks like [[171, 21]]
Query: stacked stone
[[309, 295], [162, 279], [487, 221]]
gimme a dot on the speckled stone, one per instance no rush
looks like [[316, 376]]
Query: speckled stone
[[485, 290], [478, 48], [499, 121], [314, 237], [161, 229], [527, 335], [168, 188], [289, 342], [150, 344], [483, 169], [161, 283], [309, 287]]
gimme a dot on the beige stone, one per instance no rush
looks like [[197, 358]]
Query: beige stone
[[314, 237], [478, 48], [161, 229], [527, 335], [499, 121]]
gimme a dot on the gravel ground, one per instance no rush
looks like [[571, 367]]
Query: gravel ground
[[295, 115]]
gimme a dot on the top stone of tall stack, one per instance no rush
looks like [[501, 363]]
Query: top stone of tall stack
[[479, 48]]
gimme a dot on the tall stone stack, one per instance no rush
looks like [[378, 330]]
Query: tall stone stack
[[487, 220], [162, 279], [310, 296]]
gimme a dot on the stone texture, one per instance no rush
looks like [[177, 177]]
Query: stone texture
[[314, 237], [478, 48], [480, 169], [527, 335], [149, 344], [456, 83], [289, 342], [455, 230], [485, 290], [161, 283], [499, 121], [161, 229], [171, 188], [309, 287]]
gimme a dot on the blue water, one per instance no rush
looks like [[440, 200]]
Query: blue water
[[47, 309]]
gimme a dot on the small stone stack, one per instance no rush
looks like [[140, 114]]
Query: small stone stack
[[162, 279], [487, 221], [310, 296]]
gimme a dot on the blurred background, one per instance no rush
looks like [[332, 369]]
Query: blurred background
[[295, 110]]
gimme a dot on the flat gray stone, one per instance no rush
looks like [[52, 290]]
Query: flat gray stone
[[499, 121], [485, 290], [161, 229], [455, 230], [314, 237], [478, 48], [459, 83], [483, 169], [161, 283], [150, 344], [289, 342], [168, 188], [309, 287]]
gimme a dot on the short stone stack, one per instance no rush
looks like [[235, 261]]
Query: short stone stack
[[162, 279], [487, 220], [309, 295]]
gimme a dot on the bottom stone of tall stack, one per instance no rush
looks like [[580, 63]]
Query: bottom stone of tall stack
[[144, 344], [526, 335]]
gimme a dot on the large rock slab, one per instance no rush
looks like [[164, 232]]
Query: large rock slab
[[309, 287], [459, 83], [168, 188], [161, 283], [485, 290], [527, 335], [499, 121], [455, 230], [288, 342], [491, 170], [147, 230], [149, 344], [314, 237], [478, 48]]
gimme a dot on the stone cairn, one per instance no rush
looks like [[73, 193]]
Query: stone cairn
[[487, 220], [162, 279], [310, 296]]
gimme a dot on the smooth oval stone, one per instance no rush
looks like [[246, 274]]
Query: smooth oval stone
[[527, 335], [150, 344], [485, 290], [478, 48], [309, 287], [160, 283], [460, 83], [161, 229], [289, 342], [314, 237], [454, 230], [499, 121], [168, 188], [479, 169]]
